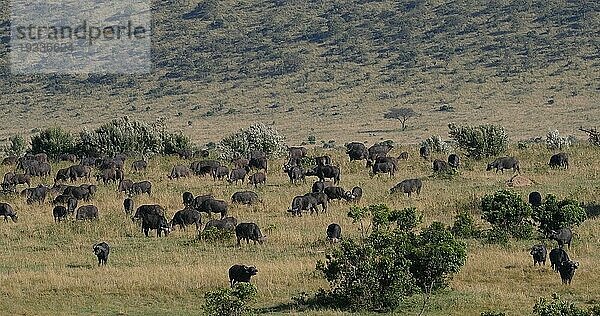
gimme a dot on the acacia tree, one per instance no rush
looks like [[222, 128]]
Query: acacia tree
[[401, 114]]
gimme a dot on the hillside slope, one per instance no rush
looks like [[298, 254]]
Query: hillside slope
[[332, 69]]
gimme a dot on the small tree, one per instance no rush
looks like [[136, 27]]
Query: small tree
[[436, 144], [53, 141], [554, 214], [256, 137], [464, 226], [506, 211], [556, 306], [16, 146], [480, 141], [401, 114], [230, 302]]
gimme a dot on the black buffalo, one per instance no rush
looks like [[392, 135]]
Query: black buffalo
[[227, 223], [562, 236], [538, 252], [454, 161], [87, 212], [303, 203], [560, 160], [424, 152], [128, 205], [147, 209], [141, 187], [320, 199], [384, 167], [257, 178], [408, 186], [180, 171], [245, 197], [323, 160], [377, 150], [241, 273], [220, 173], [139, 165], [249, 231], [7, 211], [155, 221], [335, 193], [535, 198], [37, 194], [354, 195], [259, 163], [504, 163], [187, 216], [440, 166], [557, 257], [334, 232], [356, 151], [295, 173], [59, 213], [237, 175], [187, 198], [101, 250], [325, 172], [319, 186], [210, 206], [125, 185], [204, 167], [567, 271]]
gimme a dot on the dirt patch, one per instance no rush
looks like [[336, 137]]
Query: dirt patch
[[519, 181]]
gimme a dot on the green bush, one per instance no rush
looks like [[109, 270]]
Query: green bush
[[436, 144], [554, 214], [53, 141], [496, 236], [214, 234], [256, 137], [554, 141], [230, 302], [506, 211], [480, 141], [558, 307], [464, 226], [392, 263], [130, 136], [16, 146]]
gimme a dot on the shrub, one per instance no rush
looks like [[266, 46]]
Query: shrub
[[496, 236], [479, 141], [230, 302], [555, 141], [256, 137], [214, 234], [16, 146], [492, 313], [130, 136], [391, 263], [53, 141], [556, 306], [554, 214], [464, 226], [506, 211], [436, 144]]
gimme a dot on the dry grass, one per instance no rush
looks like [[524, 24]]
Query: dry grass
[[49, 268]]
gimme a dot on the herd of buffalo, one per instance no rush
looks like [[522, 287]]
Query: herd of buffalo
[[253, 168]]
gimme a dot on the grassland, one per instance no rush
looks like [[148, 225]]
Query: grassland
[[49, 268]]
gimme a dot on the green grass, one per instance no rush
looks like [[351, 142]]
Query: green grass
[[49, 268]]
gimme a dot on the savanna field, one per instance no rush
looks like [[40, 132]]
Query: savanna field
[[49, 268]]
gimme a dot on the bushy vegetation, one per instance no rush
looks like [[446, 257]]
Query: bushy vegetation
[[554, 214], [464, 226], [255, 137], [214, 234], [436, 144], [479, 141], [555, 142], [130, 136], [230, 301], [16, 146], [558, 307], [392, 262], [507, 211], [54, 142]]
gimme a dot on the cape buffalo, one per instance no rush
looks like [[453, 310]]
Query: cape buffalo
[[241, 273]]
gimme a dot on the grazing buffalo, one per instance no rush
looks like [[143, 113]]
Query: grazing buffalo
[[200, 199], [10, 160], [408, 186], [139, 165], [128, 205], [454, 161], [424, 152], [504, 163], [125, 185], [62, 175], [39, 169], [245, 197], [210, 206], [241, 163], [403, 156], [249, 231], [335, 193], [71, 204], [538, 252], [259, 163], [557, 257], [320, 199], [377, 150], [567, 271], [141, 187], [87, 212], [323, 160], [319, 186], [148, 209], [60, 213], [295, 173], [334, 233], [155, 221], [303, 203], [187, 216], [323, 172], [204, 167], [110, 175], [535, 199], [187, 198], [354, 195], [227, 223], [356, 151], [440, 166], [185, 153], [296, 152], [241, 273], [562, 236], [101, 250], [79, 172], [37, 194], [67, 157], [237, 174], [220, 173], [257, 154], [560, 160], [257, 178], [16, 179], [7, 211], [180, 171], [384, 167]]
